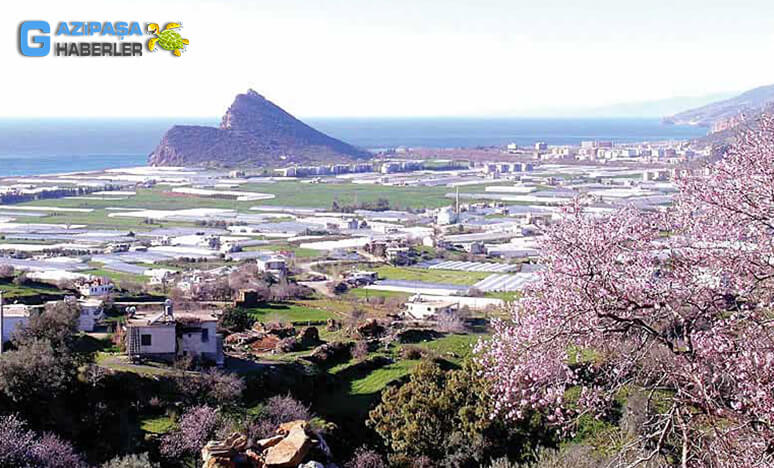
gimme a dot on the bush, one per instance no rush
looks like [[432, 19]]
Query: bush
[[213, 387], [277, 410], [35, 373], [22, 448], [197, 426], [446, 416], [360, 350], [57, 325], [366, 458], [412, 352], [235, 320], [131, 461]]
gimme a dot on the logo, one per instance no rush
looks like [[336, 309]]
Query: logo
[[168, 39], [104, 39], [25, 41]]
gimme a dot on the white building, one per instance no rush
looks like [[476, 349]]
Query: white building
[[91, 313], [447, 215], [97, 287], [166, 335], [15, 317], [272, 264], [421, 308]]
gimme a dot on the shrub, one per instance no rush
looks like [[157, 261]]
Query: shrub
[[366, 458], [235, 320], [360, 350], [213, 387], [131, 461], [20, 447], [197, 426], [277, 410]]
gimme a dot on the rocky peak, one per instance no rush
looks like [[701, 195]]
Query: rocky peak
[[253, 132]]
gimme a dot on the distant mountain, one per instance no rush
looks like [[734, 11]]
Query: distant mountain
[[726, 114], [656, 108], [253, 132]]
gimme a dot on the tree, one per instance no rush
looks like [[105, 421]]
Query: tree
[[57, 324], [277, 410], [676, 305], [445, 415], [235, 319], [212, 387], [197, 426], [6, 271], [36, 373], [21, 447]]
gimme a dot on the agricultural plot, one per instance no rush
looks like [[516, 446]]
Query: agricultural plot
[[500, 282], [463, 278], [287, 312], [469, 266]]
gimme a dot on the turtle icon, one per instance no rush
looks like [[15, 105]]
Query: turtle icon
[[167, 39]]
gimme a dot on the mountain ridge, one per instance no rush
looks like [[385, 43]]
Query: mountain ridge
[[726, 114], [253, 132]]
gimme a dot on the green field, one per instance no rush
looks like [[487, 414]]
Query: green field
[[323, 195], [157, 425], [287, 312], [378, 379], [293, 193], [361, 293], [453, 345], [465, 278], [28, 290], [116, 276]]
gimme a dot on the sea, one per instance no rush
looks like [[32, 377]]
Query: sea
[[46, 146]]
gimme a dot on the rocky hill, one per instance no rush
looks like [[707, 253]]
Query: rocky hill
[[253, 132], [723, 115]]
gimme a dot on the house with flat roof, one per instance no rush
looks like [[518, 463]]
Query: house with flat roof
[[166, 335], [275, 264], [421, 308]]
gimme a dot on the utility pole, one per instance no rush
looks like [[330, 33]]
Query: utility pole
[[2, 319]]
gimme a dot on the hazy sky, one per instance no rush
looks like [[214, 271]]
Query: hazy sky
[[396, 57]]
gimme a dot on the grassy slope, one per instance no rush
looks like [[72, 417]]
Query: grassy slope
[[13, 291]]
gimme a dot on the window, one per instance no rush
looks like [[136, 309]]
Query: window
[[145, 340], [205, 335]]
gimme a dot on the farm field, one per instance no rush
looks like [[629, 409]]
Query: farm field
[[289, 312], [14, 292], [463, 278]]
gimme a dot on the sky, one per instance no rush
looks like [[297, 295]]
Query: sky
[[395, 58]]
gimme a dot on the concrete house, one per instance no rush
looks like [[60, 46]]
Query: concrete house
[[91, 313], [420, 308], [275, 264], [15, 317], [166, 336], [96, 287]]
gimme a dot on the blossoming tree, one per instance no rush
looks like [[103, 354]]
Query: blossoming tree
[[675, 305]]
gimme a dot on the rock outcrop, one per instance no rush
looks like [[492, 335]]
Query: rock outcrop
[[253, 132], [290, 448]]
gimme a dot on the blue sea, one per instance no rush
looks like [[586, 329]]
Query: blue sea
[[44, 146]]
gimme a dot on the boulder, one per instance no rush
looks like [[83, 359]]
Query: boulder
[[330, 352], [287, 345], [309, 336], [370, 329], [291, 450], [263, 444], [332, 325], [312, 464]]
